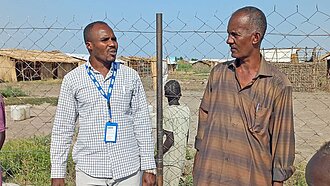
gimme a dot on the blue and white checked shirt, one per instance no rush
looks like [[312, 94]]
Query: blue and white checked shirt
[[80, 101]]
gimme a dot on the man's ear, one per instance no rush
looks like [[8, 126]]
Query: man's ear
[[256, 38], [88, 45]]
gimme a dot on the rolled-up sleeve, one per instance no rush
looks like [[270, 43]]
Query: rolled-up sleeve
[[283, 140]]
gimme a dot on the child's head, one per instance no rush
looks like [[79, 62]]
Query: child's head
[[318, 168], [172, 89]]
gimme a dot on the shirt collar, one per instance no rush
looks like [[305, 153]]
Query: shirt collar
[[265, 69], [114, 64]]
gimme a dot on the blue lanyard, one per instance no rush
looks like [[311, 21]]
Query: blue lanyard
[[99, 88]]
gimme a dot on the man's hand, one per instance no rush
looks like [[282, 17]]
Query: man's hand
[[58, 182], [275, 183], [148, 179]]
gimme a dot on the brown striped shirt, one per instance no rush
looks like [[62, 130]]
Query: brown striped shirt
[[245, 135]]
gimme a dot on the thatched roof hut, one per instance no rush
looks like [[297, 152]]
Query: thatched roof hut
[[142, 65], [27, 65]]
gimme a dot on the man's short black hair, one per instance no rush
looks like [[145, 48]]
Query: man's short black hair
[[88, 28]]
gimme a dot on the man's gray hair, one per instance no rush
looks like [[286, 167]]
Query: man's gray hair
[[256, 17]]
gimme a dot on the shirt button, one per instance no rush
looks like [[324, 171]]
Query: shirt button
[[226, 159]]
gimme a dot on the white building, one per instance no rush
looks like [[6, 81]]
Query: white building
[[279, 55]]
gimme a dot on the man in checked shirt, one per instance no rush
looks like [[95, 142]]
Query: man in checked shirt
[[114, 143], [245, 132]]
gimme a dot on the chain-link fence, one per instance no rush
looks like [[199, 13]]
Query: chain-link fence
[[35, 56]]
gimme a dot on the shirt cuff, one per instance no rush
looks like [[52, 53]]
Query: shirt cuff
[[58, 172], [147, 163], [282, 174]]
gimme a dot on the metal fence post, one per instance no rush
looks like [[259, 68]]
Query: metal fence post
[[159, 52]]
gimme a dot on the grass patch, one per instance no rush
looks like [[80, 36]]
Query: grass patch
[[187, 178], [27, 162], [202, 70], [16, 96], [298, 178], [12, 92], [184, 66], [190, 153], [31, 100], [187, 181]]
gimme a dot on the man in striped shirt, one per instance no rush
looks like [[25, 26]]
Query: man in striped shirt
[[114, 144], [245, 132]]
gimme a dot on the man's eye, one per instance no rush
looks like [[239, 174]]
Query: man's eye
[[105, 39]]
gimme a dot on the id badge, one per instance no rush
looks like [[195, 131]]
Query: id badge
[[110, 134]]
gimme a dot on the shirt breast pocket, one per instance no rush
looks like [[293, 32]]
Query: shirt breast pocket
[[261, 120], [126, 97]]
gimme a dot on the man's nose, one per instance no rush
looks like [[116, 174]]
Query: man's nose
[[229, 40], [111, 43]]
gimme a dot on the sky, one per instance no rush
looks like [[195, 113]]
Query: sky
[[140, 15], [18, 9]]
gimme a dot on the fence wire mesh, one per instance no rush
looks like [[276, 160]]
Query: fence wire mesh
[[35, 56]]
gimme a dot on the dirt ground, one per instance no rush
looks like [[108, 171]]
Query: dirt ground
[[311, 112]]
